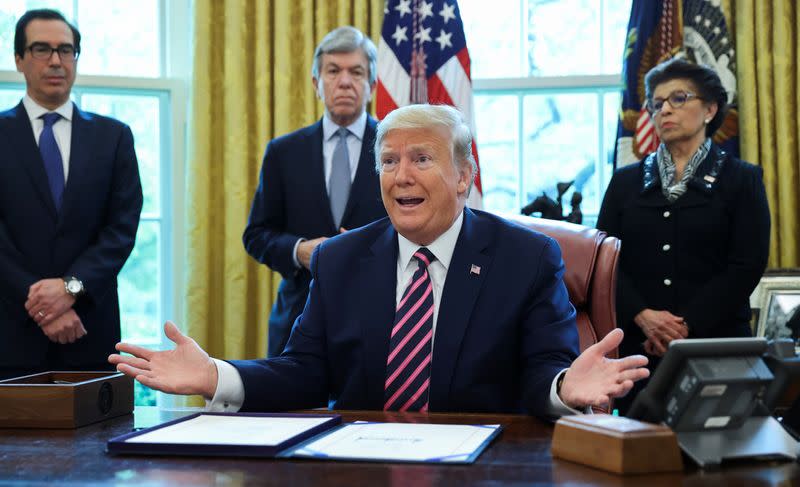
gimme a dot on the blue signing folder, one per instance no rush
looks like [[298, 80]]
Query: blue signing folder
[[224, 434], [399, 442], [310, 436]]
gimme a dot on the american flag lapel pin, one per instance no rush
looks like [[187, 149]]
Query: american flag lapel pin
[[474, 269]]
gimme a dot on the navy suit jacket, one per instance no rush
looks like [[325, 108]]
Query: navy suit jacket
[[90, 237], [292, 202], [502, 335]]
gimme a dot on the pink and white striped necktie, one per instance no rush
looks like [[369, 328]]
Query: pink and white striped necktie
[[408, 368]]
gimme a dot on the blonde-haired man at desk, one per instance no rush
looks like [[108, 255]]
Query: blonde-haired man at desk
[[437, 308]]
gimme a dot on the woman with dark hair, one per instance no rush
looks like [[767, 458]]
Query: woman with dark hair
[[693, 221]]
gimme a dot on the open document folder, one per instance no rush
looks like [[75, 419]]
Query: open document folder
[[400, 442], [308, 436]]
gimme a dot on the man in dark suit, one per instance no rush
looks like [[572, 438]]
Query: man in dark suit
[[490, 292], [70, 199], [317, 181]]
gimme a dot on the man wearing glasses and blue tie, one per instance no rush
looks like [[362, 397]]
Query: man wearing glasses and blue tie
[[70, 200]]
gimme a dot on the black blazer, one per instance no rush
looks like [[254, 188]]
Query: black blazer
[[699, 257], [90, 238], [291, 202]]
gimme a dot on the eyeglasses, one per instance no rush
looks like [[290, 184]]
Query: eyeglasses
[[676, 99], [43, 51]]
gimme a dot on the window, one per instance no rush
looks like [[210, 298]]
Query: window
[[123, 73], [547, 81]]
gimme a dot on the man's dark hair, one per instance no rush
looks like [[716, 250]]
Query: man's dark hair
[[20, 42], [704, 79]]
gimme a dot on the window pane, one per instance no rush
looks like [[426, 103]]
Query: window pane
[[119, 38], [139, 288], [561, 134], [497, 119], [142, 114], [564, 37], [493, 37], [10, 12], [616, 14], [10, 98]]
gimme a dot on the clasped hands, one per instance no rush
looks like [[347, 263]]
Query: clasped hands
[[660, 328], [50, 306]]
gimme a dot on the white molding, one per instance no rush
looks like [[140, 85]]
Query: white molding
[[548, 83]]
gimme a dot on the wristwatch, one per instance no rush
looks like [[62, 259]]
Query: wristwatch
[[74, 286]]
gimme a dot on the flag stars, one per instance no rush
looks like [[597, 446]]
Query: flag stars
[[448, 13], [399, 35], [403, 7], [424, 35], [425, 10], [444, 40]]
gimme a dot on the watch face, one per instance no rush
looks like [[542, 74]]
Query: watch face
[[74, 286]]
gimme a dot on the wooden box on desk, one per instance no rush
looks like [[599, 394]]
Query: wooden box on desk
[[616, 444], [64, 399]]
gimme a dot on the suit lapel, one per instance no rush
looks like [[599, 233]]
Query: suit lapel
[[380, 270], [20, 136], [364, 172], [462, 287], [79, 157], [317, 176]]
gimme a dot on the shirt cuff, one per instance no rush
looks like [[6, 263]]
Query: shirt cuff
[[294, 253], [556, 406], [229, 395]]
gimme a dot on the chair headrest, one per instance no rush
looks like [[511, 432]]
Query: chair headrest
[[579, 248]]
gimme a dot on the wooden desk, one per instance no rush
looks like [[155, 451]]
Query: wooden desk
[[520, 456]]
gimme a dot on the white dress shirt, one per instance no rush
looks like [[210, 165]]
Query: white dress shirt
[[355, 139], [62, 129], [229, 395]]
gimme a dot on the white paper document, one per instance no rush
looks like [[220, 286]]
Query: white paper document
[[208, 429], [402, 442]]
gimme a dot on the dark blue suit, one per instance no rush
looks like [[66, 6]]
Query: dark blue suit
[[292, 202], [501, 336], [90, 238]]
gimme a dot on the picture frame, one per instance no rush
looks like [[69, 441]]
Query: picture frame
[[776, 300]]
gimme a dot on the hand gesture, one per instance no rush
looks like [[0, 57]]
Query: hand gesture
[[593, 379], [47, 300], [187, 369], [66, 328]]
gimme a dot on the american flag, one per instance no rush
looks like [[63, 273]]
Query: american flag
[[423, 58]]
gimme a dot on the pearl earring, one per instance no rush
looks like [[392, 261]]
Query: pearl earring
[[706, 121]]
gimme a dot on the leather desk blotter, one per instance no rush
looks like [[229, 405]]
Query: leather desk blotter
[[616, 444], [64, 399]]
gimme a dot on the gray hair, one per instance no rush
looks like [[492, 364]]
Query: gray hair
[[424, 116], [343, 40]]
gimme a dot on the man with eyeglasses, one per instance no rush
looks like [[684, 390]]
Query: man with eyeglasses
[[70, 200], [319, 180]]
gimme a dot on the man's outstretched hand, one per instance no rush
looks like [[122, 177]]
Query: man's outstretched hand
[[593, 379], [187, 369]]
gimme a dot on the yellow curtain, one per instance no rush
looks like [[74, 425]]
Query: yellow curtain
[[252, 82], [768, 57]]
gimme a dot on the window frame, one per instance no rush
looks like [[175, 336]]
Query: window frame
[[598, 85]]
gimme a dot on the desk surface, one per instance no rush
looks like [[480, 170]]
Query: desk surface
[[520, 456]]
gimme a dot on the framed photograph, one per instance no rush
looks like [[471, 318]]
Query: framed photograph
[[777, 298]]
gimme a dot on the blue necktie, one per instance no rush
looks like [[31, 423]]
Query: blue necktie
[[51, 156], [339, 185]]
